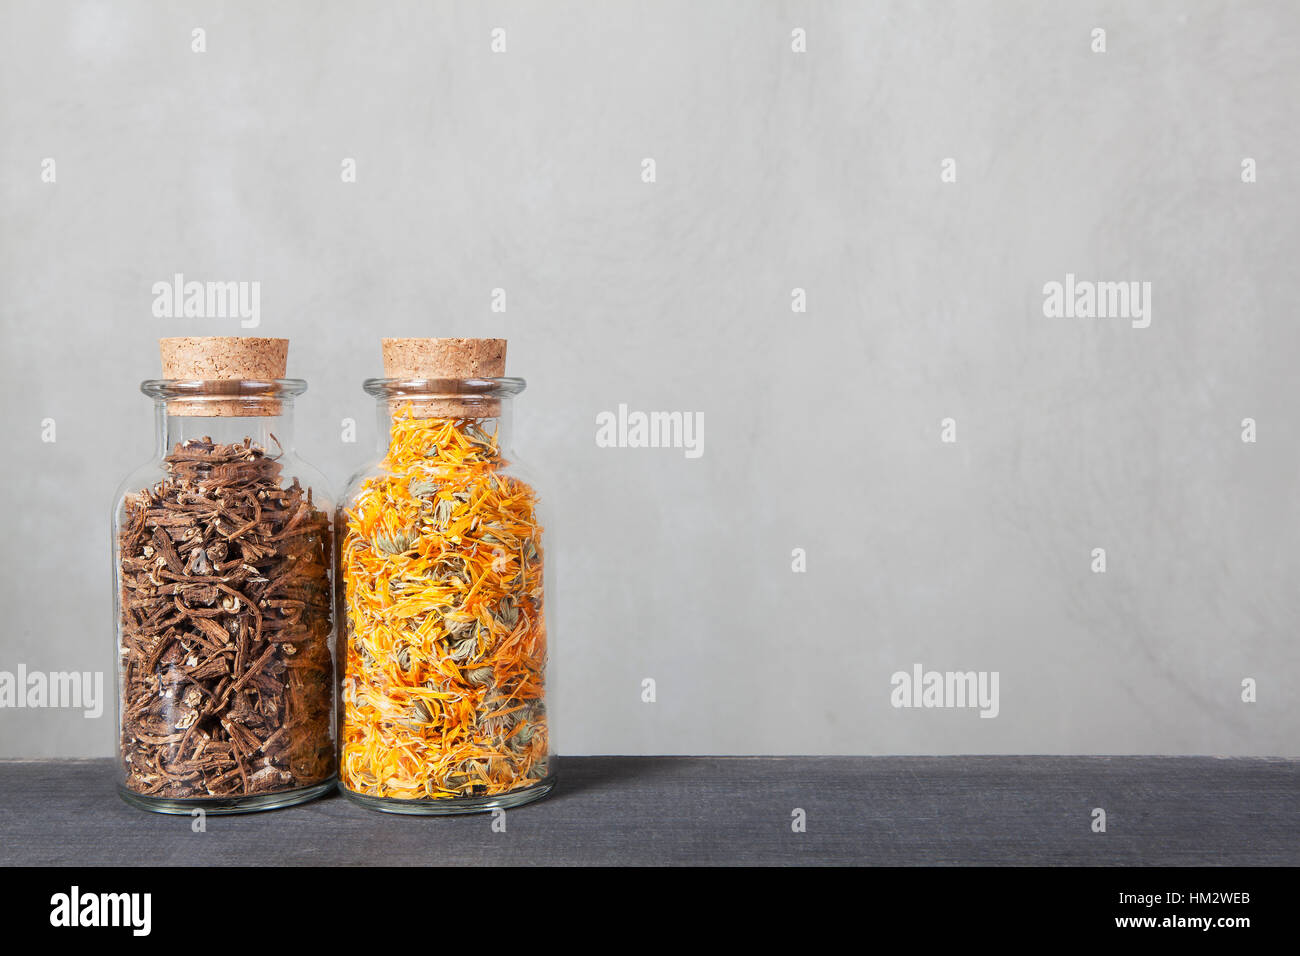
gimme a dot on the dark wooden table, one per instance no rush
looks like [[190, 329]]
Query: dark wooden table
[[717, 810]]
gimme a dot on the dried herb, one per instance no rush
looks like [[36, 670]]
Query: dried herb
[[442, 568], [227, 675]]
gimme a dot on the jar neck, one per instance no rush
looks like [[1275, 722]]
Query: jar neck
[[407, 422], [470, 416], [272, 431]]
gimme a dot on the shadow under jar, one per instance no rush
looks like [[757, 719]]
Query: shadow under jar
[[441, 585], [223, 560]]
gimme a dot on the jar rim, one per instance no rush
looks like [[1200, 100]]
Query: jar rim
[[444, 387], [171, 389]]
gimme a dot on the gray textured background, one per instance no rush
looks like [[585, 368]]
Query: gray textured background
[[775, 170]]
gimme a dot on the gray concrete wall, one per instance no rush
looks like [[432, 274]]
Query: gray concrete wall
[[775, 170]]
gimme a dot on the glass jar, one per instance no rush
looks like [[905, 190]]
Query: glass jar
[[222, 553], [442, 583]]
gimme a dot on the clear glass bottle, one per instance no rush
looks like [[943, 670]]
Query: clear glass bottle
[[222, 557], [441, 584]]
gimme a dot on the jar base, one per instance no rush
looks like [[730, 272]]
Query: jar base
[[454, 805], [218, 806]]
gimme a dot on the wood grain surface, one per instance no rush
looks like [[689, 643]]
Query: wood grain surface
[[717, 811]]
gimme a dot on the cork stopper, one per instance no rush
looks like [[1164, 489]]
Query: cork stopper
[[224, 359], [446, 359]]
